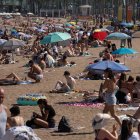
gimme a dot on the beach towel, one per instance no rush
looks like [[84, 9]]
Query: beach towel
[[86, 54], [25, 82], [20, 133], [93, 105], [6, 82], [30, 99], [127, 108]]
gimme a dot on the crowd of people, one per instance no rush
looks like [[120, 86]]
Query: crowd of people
[[116, 88]]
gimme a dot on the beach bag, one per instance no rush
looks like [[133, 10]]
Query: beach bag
[[64, 125]]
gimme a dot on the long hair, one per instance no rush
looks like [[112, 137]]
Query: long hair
[[122, 78], [42, 102], [110, 73], [126, 129]]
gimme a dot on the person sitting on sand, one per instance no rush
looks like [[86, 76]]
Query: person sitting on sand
[[63, 61], [108, 55], [99, 123], [70, 52], [49, 60], [15, 119], [42, 63], [35, 72], [136, 89], [127, 131], [46, 119], [65, 87], [13, 79]]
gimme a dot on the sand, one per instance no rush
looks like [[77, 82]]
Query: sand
[[80, 117]]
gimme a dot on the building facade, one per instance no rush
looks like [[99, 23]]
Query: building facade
[[56, 8]]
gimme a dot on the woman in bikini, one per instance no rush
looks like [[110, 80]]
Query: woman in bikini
[[110, 90]]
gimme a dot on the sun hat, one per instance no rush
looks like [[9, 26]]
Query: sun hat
[[100, 120]]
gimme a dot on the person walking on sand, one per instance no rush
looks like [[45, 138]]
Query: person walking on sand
[[3, 114], [36, 72], [110, 99]]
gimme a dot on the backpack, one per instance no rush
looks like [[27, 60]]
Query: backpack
[[64, 125]]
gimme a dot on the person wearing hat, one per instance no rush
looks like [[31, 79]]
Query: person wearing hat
[[3, 114], [99, 123]]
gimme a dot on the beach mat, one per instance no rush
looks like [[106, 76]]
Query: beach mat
[[93, 105], [25, 82], [6, 82], [127, 108]]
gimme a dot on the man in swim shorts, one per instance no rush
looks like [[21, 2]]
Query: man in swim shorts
[[36, 72]]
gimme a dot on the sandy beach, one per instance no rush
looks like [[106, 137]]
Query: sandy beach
[[80, 117]]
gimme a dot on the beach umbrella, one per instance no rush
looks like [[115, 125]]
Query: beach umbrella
[[67, 29], [117, 36], [104, 29], [73, 23], [99, 34], [103, 65], [123, 51], [68, 25], [55, 37], [30, 14], [125, 24], [12, 44], [2, 41], [85, 6], [110, 28]]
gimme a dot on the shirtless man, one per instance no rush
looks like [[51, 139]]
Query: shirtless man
[[65, 87], [3, 114], [35, 72]]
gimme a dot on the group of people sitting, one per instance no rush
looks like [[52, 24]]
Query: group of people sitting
[[128, 89], [15, 120]]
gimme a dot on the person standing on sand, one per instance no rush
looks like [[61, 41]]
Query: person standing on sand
[[110, 100], [36, 72], [3, 114]]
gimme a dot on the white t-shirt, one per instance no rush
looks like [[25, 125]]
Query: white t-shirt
[[135, 136]]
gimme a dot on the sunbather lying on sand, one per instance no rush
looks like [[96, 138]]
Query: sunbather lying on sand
[[12, 79]]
